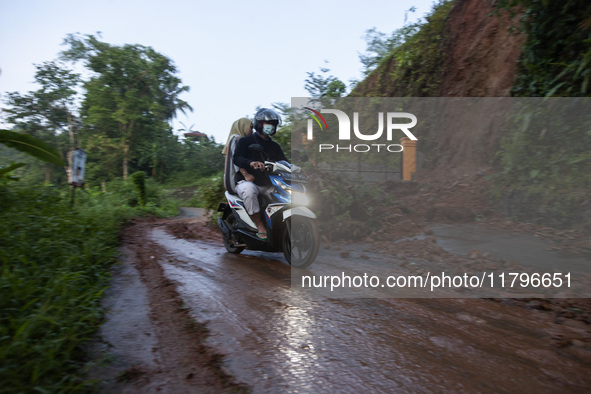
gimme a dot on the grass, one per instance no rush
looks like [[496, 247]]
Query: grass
[[54, 267]]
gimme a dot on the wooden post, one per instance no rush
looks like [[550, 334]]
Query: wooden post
[[409, 158], [73, 197]]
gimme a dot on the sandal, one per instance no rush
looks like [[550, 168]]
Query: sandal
[[262, 236]]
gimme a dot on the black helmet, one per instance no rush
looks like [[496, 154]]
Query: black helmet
[[268, 116]]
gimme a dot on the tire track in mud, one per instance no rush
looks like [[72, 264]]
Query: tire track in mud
[[180, 361]]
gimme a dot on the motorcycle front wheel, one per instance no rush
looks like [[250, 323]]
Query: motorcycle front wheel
[[300, 242]]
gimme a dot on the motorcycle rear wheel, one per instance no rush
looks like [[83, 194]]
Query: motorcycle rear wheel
[[303, 250]]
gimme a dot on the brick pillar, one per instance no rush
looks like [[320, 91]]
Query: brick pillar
[[409, 158], [306, 145]]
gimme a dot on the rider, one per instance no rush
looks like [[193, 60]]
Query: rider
[[251, 179]]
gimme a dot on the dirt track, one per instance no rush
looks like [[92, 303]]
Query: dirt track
[[188, 317]]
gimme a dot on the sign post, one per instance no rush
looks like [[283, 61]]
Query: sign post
[[77, 160]]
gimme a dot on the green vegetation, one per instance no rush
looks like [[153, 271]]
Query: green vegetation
[[543, 166], [545, 160], [321, 85], [545, 163], [31, 146], [349, 213], [556, 58], [55, 259], [209, 195], [132, 94], [139, 182], [409, 62], [55, 266], [122, 119]]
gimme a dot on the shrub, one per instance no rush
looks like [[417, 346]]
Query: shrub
[[139, 181]]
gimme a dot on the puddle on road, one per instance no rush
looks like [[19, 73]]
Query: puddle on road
[[523, 249]]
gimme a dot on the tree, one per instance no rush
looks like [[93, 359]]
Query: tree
[[170, 98], [320, 86], [162, 155], [283, 135], [380, 45], [202, 157], [50, 110], [133, 93]]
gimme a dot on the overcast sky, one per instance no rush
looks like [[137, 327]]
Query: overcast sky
[[234, 55]]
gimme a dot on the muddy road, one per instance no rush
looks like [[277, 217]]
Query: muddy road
[[185, 316]]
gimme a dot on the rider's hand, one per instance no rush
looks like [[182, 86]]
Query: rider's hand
[[248, 177], [257, 165]]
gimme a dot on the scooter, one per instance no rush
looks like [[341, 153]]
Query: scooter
[[291, 225]]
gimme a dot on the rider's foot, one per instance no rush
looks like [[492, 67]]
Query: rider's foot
[[262, 236]]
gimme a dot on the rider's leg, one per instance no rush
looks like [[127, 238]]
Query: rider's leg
[[249, 193]]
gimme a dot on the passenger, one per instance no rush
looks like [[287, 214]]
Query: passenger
[[242, 127]]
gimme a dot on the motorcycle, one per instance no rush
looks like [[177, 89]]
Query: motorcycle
[[291, 225]]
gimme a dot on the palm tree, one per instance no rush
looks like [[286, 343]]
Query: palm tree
[[170, 98]]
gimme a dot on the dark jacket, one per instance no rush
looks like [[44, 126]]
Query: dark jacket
[[244, 156]]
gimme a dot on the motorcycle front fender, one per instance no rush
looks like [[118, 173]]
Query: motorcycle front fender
[[298, 211]]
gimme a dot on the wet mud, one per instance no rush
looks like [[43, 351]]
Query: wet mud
[[252, 331]]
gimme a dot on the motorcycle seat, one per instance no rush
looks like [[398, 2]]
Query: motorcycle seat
[[230, 168]]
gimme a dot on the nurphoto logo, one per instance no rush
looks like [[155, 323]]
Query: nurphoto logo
[[390, 119]]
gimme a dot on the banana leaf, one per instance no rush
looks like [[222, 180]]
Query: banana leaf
[[32, 146]]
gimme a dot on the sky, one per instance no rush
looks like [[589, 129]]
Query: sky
[[234, 55]]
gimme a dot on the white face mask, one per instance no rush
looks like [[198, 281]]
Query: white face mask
[[268, 129]]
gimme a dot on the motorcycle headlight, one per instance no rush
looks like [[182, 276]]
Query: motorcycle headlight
[[299, 198], [284, 187]]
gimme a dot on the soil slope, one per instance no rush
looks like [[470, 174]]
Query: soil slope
[[481, 50]]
